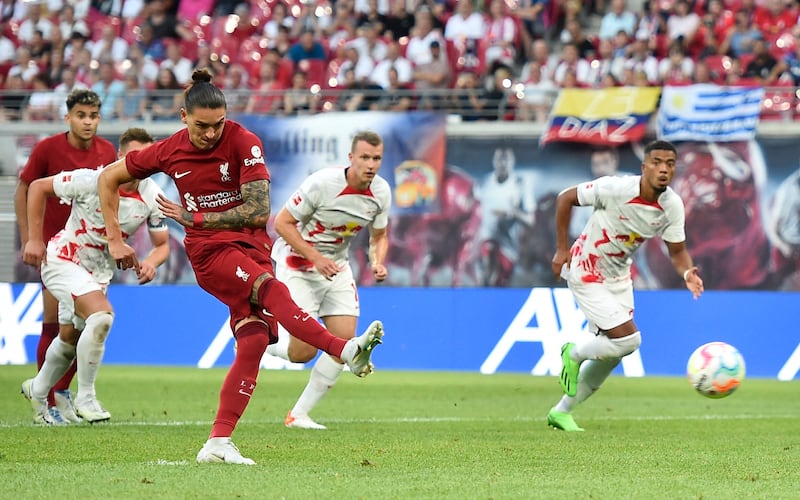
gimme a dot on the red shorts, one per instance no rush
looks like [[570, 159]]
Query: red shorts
[[227, 271]]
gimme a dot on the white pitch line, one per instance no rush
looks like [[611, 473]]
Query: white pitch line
[[424, 420]]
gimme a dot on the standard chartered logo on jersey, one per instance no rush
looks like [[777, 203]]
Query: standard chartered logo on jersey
[[555, 312], [20, 316]]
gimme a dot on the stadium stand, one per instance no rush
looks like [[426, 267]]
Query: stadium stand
[[223, 35]]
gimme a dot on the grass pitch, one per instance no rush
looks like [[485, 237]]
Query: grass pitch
[[409, 435]]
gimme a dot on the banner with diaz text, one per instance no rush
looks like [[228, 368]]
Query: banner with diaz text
[[610, 116], [474, 330]]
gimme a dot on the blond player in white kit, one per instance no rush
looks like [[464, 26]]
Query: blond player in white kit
[[316, 226], [627, 211], [77, 268]]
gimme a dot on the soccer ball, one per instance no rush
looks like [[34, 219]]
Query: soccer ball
[[715, 369]]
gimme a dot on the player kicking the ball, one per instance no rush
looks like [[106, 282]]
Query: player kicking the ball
[[316, 227], [222, 177], [627, 211]]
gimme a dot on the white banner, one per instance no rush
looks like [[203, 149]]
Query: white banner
[[706, 112]]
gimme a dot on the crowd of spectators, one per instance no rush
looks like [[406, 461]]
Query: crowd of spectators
[[480, 59]]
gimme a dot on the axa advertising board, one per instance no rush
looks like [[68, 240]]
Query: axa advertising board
[[472, 329]]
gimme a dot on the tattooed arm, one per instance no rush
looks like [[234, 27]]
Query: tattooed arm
[[253, 212]]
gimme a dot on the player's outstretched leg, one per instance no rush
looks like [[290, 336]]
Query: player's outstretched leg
[[358, 350]]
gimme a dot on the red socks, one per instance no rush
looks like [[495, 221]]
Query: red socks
[[252, 340], [65, 381], [274, 296], [49, 332]]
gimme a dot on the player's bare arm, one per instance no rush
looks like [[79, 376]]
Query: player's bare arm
[[253, 212], [682, 262], [34, 251], [21, 210], [567, 199], [286, 227], [108, 183], [157, 256], [378, 248]]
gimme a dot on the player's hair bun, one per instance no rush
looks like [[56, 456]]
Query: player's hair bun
[[201, 75]]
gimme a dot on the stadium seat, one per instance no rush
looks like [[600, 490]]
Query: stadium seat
[[662, 46], [719, 66], [5, 68], [250, 54], [96, 28], [332, 73], [745, 59], [285, 72], [779, 101], [189, 49], [226, 48], [315, 71], [461, 59], [130, 31], [206, 26]]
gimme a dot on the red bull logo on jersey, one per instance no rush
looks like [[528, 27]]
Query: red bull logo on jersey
[[630, 240], [347, 230]]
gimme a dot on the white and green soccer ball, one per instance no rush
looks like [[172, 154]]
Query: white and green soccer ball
[[715, 369]]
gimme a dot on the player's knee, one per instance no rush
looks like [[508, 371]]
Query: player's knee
[[99, 324], [627, 344], [301, 353], [258, 343]]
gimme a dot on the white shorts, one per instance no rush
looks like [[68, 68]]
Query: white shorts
[[605, 305], [67, 280], [318, 296]]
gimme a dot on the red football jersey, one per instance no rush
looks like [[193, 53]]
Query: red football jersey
[[55, 154], [208, 180]]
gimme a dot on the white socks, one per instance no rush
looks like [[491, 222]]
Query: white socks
[[324, 374], [279, 349], [592, 375], [57, 360], [602, 347], [91, 347], [599, 356]]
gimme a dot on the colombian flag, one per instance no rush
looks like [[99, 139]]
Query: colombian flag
[[606, 117]]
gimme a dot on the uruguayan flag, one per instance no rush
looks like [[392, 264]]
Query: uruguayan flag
[[709, 113]]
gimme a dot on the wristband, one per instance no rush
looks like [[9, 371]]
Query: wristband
[[686, 274], [197, 220]]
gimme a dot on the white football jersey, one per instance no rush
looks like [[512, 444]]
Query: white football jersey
[[331, 214], [507, 197], [83, 239], [620, 222]]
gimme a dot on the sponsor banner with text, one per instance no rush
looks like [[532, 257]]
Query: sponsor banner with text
[[606, 117], [473, 330]]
